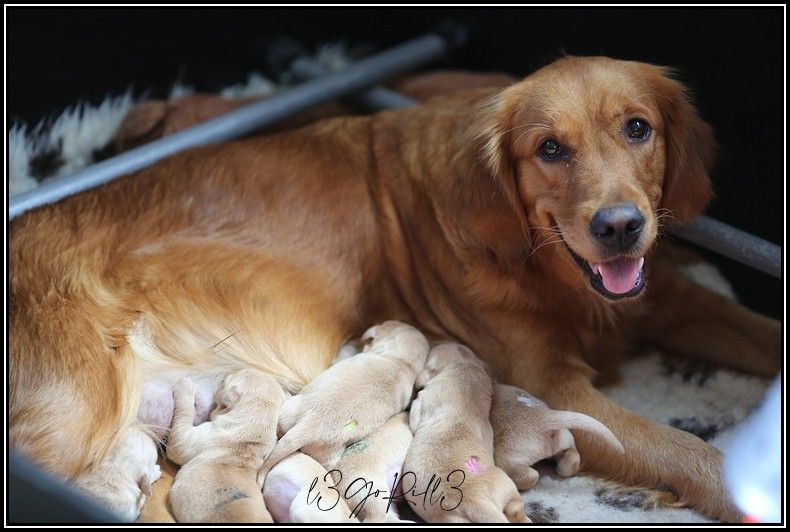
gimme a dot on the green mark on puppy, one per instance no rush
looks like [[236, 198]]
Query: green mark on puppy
[[351, 424], [356, 447], [229, 495]]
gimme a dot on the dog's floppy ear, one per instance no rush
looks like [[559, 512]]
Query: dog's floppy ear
[[485, 191], [690, 147]]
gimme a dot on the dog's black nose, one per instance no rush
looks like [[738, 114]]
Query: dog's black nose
[[617, 227]]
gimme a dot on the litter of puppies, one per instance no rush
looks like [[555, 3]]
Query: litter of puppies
[[399, 423]]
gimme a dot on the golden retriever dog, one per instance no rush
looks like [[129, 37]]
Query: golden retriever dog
[[511, 219], [451, 458], [220, 459], [352, 398], [527, 431]]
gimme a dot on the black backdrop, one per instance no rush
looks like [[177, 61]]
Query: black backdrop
[[733, 59]]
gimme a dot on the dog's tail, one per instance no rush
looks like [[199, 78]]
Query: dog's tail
[[564, 419]]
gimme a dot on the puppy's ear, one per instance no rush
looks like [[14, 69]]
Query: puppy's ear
[[424, 377], [144, 483], [690, 147], [415, 413], [368, 337], [229, 396]]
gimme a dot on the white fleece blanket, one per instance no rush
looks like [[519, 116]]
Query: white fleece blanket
[[688, 395]]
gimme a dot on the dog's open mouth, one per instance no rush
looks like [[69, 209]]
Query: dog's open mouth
[[618, 278]]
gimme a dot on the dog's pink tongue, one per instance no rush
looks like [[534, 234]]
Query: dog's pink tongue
[[619, 275]]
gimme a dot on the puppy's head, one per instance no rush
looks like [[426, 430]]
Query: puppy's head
[[250, 382], [600, 153], [445, 355], [395, 337]]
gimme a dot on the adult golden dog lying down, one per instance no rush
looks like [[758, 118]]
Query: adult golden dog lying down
[[513, 220]]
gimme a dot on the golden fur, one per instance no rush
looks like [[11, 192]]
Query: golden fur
[[375, 459], [353, 398], [279, 248], [218, 480], [454, 440], [527, 431], [124, 480]]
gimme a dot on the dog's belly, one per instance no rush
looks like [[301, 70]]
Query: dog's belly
[[156, 400]]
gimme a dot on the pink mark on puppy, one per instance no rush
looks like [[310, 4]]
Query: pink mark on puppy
[[474, 466]]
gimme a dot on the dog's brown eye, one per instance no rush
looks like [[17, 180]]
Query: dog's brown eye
[[551, 149], [637, 129]]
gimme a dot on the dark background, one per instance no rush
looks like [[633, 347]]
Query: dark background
[[732, 58]]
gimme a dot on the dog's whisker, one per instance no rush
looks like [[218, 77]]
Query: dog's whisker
[[533, 126], [547, 242]]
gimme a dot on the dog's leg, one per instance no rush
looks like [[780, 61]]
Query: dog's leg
[[655, 455], [525, 477], [185, 440], [691, 320], [566, 455], [568, 462]]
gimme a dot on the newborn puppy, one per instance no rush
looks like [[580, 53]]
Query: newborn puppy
[[221, 457], [157, 507], [526, 431], [368, 469], [453, 440], [123, 480], [352, 398], [299, 490]]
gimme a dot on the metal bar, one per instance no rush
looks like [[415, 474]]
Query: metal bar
[[733, 243], [240, 121], [374, 99], [703, 231]]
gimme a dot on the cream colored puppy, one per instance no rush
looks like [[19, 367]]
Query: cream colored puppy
[[354, 397], [123, 480], [526, 431], [299, 490], [366, 471], [450, 465], [221, 458]]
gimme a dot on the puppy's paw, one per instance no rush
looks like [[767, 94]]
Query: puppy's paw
[[155, 473], [184, 388], [568, 462], [526, 479]]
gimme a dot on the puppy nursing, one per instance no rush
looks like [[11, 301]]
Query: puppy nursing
[[123, 480], [367, 470], [526, 431], [354, 397], [473, 445], [220, 459], [453, 446]]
